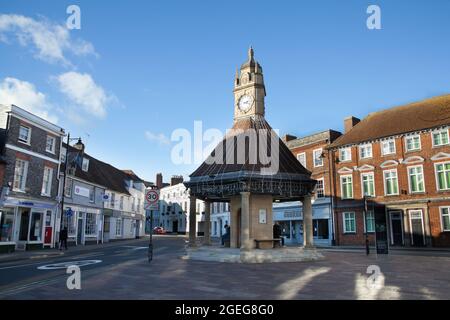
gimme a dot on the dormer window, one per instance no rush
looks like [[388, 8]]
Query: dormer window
[[85, 165]]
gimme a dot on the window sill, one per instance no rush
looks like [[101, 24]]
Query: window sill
[[345, 161], [51, 152], [412, 151], [389, 154], [25, 142], [349, 233], [417, 193], [392, 195], [18, 190], [440, 145]]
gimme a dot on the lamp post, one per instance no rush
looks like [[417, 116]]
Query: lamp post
[[64, 179]]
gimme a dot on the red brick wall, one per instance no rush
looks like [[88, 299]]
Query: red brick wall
[[427, 151], [316, 172]]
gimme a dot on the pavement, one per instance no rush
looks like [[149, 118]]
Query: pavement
[[121, 271]]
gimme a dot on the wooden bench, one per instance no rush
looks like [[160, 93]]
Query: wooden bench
[[274, 242]]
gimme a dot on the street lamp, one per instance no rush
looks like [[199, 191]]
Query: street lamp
[[64, 177]]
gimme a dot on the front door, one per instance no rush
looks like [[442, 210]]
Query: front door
[[416, 222], [80, 231], [24, 225], [106, 227], [396, 228], [138, 226], [175, 226]]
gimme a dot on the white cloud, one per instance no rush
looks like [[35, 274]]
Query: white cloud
[[50, 40], [23, 94], [158, 137], [82, 90]]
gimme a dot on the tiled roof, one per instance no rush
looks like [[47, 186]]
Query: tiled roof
[[425, 114], [288, 164], [99, 172], [132, 175]]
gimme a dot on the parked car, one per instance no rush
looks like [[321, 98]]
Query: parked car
[[159, 230]]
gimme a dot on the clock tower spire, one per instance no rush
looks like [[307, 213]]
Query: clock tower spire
[[249, 90]]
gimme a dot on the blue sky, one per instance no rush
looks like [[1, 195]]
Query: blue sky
[[149, 67]]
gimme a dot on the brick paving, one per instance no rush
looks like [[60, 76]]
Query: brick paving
[[341, 275]]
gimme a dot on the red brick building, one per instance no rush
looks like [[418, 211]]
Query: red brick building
[[311, 152], [399, 159]]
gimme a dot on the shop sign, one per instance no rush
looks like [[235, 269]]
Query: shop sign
[[80, 191]]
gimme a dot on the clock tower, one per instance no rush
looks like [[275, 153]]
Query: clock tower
[[249, 90]]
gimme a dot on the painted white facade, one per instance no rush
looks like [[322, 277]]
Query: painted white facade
[[174, 206], [125, 212]]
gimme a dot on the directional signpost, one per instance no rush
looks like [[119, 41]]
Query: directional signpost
[[151, 203]]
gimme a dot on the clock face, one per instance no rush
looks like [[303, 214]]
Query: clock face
[[245, 103]]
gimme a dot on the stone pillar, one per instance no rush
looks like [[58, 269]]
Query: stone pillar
[[192, 221], [245, 221], [207, 229], [234, 208], [307, 223]]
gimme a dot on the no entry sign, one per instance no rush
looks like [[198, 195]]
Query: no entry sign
[[151, 200]]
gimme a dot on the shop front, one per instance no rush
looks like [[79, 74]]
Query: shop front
[[26, 224], [84, 225], [290, 218]]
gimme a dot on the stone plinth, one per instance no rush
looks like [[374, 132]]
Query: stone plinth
[[235, 255]]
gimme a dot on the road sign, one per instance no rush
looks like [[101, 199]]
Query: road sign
[[151, 200]]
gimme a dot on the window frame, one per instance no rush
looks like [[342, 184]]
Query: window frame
[[373, 218], [361, 147], [412, 137], [90, 226], [319, 158], [49, 182], [437, 176], [372, 174], [85, 164], [53, 151], [342, 189], [385, 184], [440, 131], [441, 214], [386, 142], [28, 141], [22, 187], [298, 158], [409, 179], [323, 188], [348, 150], [344, 219]]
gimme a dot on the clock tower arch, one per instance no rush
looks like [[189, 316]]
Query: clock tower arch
[[249, 90]]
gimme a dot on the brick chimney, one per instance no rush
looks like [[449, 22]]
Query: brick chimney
[[288, 137], [159, 180], [350, 122], [176, 180]]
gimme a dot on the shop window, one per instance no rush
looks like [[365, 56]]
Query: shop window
[[118, 227], [36, 226], [320, 228], [6, 225], [91, 224]]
